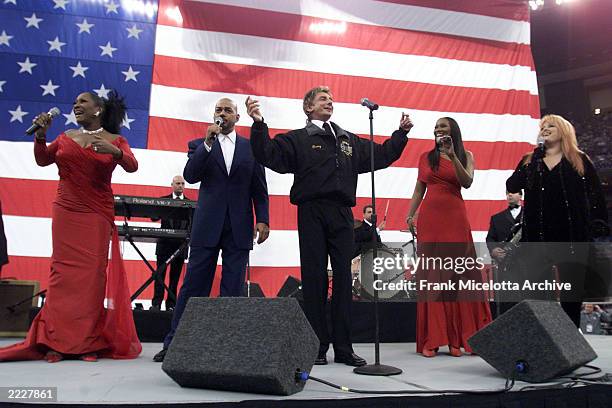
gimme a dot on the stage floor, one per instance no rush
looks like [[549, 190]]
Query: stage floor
[[142, 380]]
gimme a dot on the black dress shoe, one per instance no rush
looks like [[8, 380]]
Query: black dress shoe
[[350, 359], [321, 360], [159, 357]]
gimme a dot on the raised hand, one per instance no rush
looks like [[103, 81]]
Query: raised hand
[[253, 109], [405, 122], [43, 120], [211, 134], [446, 146]]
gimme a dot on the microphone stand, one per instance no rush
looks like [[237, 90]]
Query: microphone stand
[[376, 368]]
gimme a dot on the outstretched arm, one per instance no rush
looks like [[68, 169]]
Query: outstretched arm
[[386, 153], [278, 154]]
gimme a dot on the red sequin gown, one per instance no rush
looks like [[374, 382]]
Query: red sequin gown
[[74, 320]]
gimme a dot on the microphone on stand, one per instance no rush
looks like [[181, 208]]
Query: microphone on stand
[[369, 104], [53, 112]]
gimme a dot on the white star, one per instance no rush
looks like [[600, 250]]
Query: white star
[[79, 70], [10, 2], [1, 85], [56, 45], [130, 74], [33, 21], [102, 92], [70, 118], [5, 38], [134, 32], [60, 4], [111, 7], [84, 26], [49, 88], [126, 122], [17, 114], [26, 66], [107, 49]]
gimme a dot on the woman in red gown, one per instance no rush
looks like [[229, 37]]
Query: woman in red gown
[[74, 323], [444, 231]]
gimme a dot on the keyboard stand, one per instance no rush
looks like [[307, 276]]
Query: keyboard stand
[[154, 272]]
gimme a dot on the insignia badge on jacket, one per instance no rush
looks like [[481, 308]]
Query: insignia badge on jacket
[[316, 147], [346, 148]]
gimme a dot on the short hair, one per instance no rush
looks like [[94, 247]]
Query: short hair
[[365, 207], [310, 96], [229, 100]]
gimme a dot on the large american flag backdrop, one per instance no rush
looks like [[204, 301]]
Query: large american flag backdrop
[[173, 60]]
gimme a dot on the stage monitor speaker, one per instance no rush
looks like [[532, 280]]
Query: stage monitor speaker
[[14, 318], [253, 345], [254, 290], [291, 288], [533, 341]]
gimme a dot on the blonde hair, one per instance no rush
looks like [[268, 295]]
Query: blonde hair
[[310, 97], [569, 143]]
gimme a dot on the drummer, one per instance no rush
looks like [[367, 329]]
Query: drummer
[[363, 232]]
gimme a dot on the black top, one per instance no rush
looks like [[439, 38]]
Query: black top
[[560, 205], [325, 167], [165, 247], [363, 238], [3, 252]]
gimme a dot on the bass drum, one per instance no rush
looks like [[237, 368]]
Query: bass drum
[[396, 274]]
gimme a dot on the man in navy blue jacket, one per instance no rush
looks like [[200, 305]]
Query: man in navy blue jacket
[[232, 184]]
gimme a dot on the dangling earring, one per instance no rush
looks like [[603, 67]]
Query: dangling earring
[[97, 113]]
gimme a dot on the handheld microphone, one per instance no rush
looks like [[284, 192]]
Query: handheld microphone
[[53, 112], [219, 122], [369, 104]]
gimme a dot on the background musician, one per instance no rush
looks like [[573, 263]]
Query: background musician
[[165, 248]]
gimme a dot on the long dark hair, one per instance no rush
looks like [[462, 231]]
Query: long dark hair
[[434, 155], [113, 110]]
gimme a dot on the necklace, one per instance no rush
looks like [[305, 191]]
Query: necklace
[[92, 132]]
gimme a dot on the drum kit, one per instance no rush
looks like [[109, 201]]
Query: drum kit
[[394, 276]]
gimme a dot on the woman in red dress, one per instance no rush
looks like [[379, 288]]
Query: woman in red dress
[[444, 231], [74, 322]]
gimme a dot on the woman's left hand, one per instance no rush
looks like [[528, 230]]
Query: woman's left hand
[[103, 146], [447, 147]]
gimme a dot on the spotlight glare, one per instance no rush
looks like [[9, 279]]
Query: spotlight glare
[[327, 27]]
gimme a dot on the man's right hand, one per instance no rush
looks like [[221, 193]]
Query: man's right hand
[[498, 253], [252, 106], [211, 134]]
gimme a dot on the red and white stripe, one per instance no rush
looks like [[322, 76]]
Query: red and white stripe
[[470, 60]]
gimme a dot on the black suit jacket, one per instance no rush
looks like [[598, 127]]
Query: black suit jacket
[[3, 252], [500, 228], [165, 247], [363, 238]]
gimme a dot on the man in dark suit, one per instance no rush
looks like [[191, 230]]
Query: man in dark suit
[[363, 233], [325, 160], [501, 226], [232, 184], [500, 231], [165, 248], [3, 252]]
